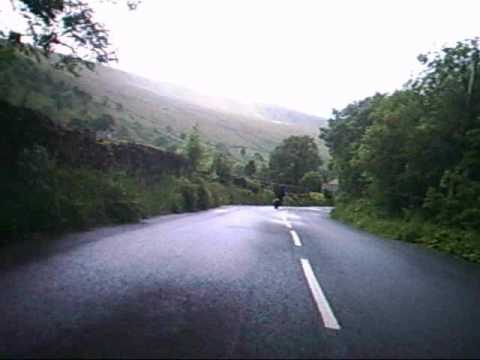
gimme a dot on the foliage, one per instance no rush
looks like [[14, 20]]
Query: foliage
[[342, 138], [63, 97], [417, 151], [312, 181], [43, 196], [204, 196], [194, 149], [362, 214], [294, 157], [189, 195], [250, 168], [104, 122], [422, 140], [306, 199], [64, 24], [222, 167]]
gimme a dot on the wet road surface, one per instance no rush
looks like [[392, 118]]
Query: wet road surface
[[236, 282]]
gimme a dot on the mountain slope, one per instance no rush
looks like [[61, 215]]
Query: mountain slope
[[148, 112]]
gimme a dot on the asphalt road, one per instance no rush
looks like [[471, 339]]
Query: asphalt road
[[236, 282]]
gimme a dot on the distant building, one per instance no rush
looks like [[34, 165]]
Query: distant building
[[331, 186]]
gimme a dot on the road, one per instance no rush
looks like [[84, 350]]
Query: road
[[236, 282]]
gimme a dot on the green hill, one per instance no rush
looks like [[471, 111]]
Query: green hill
[[144, 111]]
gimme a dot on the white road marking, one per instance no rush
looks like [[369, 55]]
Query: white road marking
[[325, 209], [287, 223], [220, 211], [296, 239], [323, 306]]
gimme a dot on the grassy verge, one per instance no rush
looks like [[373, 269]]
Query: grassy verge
[[456, 241], [307, 199], [40, 196]]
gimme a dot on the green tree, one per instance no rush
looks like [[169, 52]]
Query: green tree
[[312, 181], [104, 122], [258, 157], [294, 157], [390, 156], [66, 24], [222, 148], [194, 149], [416, 150], [222, 166], [342, 138], [250, 168]]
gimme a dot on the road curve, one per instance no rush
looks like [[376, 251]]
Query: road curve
[[236, 282]]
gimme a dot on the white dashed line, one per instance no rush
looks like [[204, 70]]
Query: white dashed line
[[220, 211], [287, 223], [296, 238], [323, 306]]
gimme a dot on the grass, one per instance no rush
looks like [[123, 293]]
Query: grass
[[456, 241], [307, 199], [43, 197]]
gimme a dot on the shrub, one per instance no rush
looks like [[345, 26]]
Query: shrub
[[189, 196], [306, 199], [204, 197], [457, 241], [312, 181]]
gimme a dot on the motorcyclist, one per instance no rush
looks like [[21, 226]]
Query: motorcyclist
[[280, 192]]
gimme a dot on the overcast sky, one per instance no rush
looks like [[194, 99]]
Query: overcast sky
[[308, 55]]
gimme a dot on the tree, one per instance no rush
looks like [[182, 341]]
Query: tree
[[104, 122], [342, 138], [222, 167], [243, 151], [250, 168], [258, 157], [312, 181], [222, 148], [293, 158], [194, 148], [417, 150], [65, 24]]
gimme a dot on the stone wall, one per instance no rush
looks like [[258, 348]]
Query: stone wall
[[21, 128]]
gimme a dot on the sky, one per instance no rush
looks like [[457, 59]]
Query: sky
[[312, 56]]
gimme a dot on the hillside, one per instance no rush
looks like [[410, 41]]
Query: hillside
[[149, 112]]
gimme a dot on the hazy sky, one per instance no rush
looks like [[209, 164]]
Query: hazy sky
[[308, 55]]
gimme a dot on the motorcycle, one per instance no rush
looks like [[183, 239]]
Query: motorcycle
[[276, 203]]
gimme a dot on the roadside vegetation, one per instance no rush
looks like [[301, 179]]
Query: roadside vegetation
[[57, 179], [125, 107], [408, 163], [85, 148]]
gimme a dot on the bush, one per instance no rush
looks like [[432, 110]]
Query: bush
[[204, 197], [306, 199], [412, 228], [188, 192], [38, 195], [160, 196], [312, 181], [42, 196]]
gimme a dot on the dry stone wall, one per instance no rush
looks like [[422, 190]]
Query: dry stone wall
[[22, 127]]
